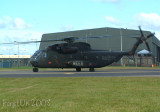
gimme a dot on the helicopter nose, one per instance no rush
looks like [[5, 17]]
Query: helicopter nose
[[33, 61]]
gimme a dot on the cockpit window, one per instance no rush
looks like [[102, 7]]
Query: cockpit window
[[35, 54], [38, 52]]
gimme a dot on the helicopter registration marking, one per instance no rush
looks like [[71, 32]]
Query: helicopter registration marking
[[78, 63]]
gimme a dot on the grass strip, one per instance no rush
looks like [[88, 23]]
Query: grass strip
[[99, 94]]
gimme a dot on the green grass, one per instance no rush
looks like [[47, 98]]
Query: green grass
[[120, 94]]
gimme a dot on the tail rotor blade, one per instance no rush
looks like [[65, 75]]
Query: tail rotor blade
[[152, 34], [142, 35], [148, 46]]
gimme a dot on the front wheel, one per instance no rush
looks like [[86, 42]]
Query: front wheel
[[78, 69], [91, 69]]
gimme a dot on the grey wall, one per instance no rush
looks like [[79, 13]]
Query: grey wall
[[107, 43]]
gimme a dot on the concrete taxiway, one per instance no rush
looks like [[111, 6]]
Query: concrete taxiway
[[84, 73]]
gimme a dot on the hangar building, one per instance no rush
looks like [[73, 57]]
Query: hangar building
[[120, 40]]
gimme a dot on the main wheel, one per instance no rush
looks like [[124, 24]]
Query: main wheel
[[91, 69], [35, 69], [78, 69]]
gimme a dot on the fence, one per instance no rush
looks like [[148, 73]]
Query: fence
[[10, 63], [146, 61]]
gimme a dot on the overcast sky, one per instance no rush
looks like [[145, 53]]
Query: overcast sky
[[25, 20]]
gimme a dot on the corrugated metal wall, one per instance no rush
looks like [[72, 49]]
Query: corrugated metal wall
[[107, 43]]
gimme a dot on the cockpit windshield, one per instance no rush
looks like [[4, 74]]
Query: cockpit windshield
[[38, 52], [37, 56]]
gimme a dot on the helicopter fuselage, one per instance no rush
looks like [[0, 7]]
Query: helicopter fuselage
[[81, 59]]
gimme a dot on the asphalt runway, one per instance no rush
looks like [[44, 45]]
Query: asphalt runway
[[84, 73]]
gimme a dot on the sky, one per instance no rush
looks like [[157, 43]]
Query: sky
[[27, 20]]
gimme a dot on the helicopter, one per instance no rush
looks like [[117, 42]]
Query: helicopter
[[79, 55]]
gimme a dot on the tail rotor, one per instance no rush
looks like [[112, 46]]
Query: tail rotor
[[143, 38], [140, 40]]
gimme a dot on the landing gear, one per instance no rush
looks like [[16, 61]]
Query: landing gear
[[91, 69], [78, 69], [35, 69]]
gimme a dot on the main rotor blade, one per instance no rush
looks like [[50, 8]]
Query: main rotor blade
[[100, 36], [68, 39], [28, 42], [84, 38], [7, 43]]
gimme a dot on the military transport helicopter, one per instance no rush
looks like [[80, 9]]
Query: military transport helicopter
[[79, 54]]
